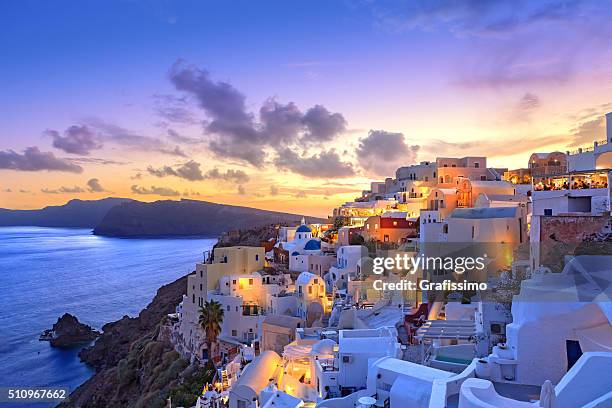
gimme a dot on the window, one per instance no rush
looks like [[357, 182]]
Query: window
[[257, 257], [234, 281], [310, 290], [228, 308], [473, 231], [548, 212], [200, 286], [250, 281], [395, 223], [477, 165], [193, 298], [234, 333], [483, 178]]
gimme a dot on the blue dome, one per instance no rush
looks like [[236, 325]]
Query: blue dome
[[303, 228], [312, 245], [295, 253]]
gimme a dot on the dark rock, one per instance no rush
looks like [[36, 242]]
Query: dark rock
[[69, 332]]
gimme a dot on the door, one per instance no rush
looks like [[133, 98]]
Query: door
[[574, 351]]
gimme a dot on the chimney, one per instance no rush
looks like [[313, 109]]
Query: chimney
[[609, 126]]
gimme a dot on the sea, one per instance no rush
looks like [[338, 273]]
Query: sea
[[46, 272]]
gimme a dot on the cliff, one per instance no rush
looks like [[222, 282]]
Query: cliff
[[132, 367], [75, 213], [186, 218]]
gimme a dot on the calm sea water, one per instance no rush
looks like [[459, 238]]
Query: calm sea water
[[45, 272]]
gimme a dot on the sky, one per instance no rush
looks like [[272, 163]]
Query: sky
[[292, 106]]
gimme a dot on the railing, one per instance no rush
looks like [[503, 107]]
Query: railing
[[590, 148], [548, 171]]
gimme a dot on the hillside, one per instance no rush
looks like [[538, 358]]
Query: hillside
[[75, 213], [186, 218]]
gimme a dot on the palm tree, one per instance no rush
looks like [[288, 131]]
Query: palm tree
[[211, 317]]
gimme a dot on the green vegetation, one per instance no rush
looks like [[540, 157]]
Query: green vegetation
[[211, 317], [152, 372], [194, 379]]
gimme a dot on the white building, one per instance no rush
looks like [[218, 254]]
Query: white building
[[347, 370], [347, 258]]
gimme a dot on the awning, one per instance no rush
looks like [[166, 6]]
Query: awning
[[447, 329]]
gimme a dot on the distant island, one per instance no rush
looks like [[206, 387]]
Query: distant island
[[186, 218], [121, 217], [74, 214]]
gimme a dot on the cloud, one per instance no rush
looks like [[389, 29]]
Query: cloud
[[188, 171], [380, 153], [322, 125], [235, 133], [33, 159], [110, 132], [326, 164], [174, 109], [231, 175], [280, 123], [516, 66], [300, 194], [588, 131], [161, 191], [63, 190], [7, 190], [76, 140], [177, 137], [94, 186], [491, 147], [94, 160], [241, 190], [226, 108], [529, 102], [473, 17], [525, 107], [273, 190], [514, 43]]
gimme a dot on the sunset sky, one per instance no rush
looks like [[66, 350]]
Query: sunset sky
[[292, 106]]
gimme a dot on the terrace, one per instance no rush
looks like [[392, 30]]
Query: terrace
[[574, 181]]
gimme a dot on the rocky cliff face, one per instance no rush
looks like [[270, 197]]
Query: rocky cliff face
[[133, 368]]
